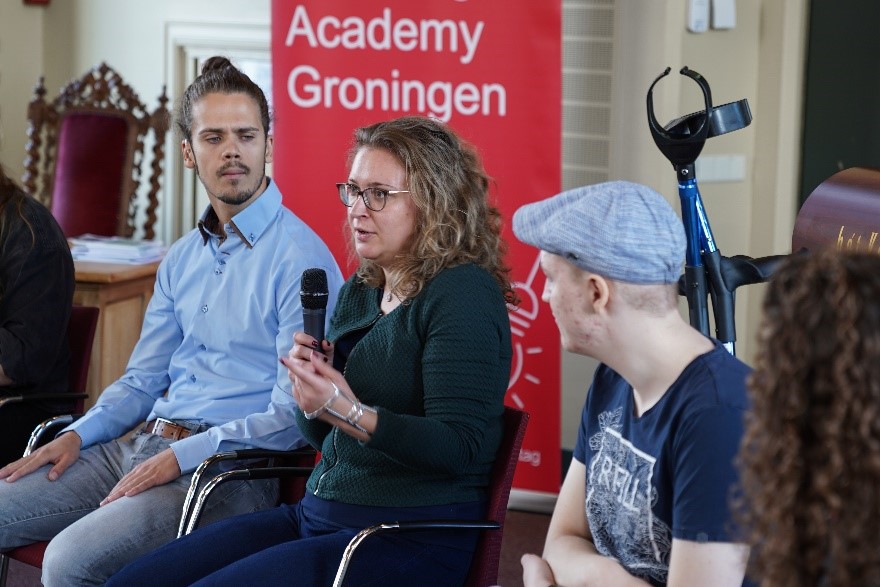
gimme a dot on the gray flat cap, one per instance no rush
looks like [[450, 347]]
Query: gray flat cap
[[620, 230]]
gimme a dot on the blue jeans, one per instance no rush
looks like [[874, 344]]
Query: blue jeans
[[90, 543], [302, 544]]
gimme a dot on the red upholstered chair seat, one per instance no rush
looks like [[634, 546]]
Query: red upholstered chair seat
[[32, 554]]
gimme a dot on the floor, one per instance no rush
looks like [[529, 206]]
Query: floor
[[22, 575], [523, 532]]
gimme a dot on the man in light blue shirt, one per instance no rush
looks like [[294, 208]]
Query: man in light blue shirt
[[204, 376]]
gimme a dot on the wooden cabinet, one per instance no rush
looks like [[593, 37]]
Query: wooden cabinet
[[121, 292]]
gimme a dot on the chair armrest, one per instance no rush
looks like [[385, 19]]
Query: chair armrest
[[34, 397], [261, 453], [44, 428], [262, 467], [403, 527]]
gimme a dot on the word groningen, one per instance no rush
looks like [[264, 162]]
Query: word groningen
[[308, 89]]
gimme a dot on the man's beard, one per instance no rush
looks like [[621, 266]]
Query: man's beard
[[234, 198]]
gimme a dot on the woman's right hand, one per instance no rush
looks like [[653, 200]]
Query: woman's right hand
[[304, 344], [300, 354]]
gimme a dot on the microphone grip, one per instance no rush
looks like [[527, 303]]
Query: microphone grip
[[313, 324]]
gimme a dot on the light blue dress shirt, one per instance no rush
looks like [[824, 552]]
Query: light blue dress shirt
[[220, 316]]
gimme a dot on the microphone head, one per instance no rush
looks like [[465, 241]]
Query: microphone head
[[314, 294]]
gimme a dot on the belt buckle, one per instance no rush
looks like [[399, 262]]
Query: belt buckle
[[164, 422], [170, 429]]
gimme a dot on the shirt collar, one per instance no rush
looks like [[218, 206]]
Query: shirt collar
[[251, 222]]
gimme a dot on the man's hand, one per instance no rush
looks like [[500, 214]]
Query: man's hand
[[157, 470], [62, 452]]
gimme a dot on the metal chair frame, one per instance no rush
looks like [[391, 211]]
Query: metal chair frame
[[516, 422]]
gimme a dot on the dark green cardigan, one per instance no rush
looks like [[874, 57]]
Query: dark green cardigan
[[436, 369]]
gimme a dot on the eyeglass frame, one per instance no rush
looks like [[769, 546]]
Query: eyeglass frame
[[348, 202]]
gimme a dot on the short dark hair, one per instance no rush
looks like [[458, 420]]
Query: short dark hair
[[219, 76]]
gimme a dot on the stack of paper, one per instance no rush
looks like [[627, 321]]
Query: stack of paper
[[114, 249]]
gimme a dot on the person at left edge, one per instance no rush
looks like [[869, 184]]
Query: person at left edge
[[225, 306], [36, 291]]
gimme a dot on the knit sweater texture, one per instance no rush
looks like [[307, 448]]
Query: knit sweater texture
[[436, 370]]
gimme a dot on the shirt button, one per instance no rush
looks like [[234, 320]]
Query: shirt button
[[205, 309], [217, 272], [251, 237], [202, 347], [192, 378]]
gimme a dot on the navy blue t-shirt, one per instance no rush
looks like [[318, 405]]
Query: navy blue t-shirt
[[667, 474]]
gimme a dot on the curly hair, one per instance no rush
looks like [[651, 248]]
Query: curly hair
[[221, 77], [810, 458], [450, 189]]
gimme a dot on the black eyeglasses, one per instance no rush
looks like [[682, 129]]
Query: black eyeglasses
[[374, 198]]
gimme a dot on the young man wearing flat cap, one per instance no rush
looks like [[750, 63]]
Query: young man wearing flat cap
[[645, 500]]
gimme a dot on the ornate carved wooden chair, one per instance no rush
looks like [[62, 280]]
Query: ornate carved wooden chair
[[86, 155]]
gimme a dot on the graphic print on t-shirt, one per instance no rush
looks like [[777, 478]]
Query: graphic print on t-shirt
[[620, 496]]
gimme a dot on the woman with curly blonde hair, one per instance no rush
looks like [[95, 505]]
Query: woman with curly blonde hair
[[811, 454], [405, 397], [455, 222]]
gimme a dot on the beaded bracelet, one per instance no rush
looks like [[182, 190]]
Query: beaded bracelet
[[325, 407]]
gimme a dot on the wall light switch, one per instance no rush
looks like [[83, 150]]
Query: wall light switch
[[723, 14], [720, 168]]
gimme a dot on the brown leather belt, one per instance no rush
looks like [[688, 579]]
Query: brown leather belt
[[167, 429]]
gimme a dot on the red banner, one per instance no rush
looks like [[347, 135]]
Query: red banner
[[491, 69]]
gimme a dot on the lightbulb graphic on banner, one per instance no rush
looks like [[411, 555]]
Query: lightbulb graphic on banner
[[526, 389]]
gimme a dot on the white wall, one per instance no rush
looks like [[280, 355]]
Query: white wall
[[21, 64]]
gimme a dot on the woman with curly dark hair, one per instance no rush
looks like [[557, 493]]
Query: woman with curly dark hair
[[811, 454]]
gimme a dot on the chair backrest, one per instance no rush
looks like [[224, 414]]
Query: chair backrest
[[293, 488], [484, 567], [86, 155], [80, 337]]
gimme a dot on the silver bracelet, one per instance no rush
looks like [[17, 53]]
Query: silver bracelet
[[333, 412], [361, 408], [354, 413], [357, 417], [325, 407]]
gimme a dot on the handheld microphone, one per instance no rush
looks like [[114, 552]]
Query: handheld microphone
[[313, 297]]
